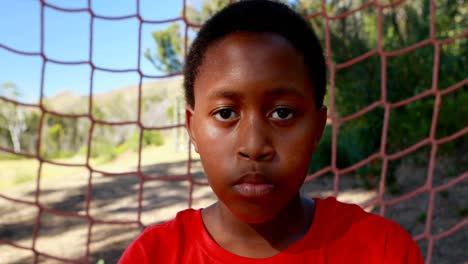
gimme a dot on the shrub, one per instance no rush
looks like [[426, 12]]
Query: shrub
[[101, 148], [348, 151]]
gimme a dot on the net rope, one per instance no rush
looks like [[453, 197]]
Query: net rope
[[333, 67]]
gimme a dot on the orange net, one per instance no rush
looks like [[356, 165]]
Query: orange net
[[430, 233]]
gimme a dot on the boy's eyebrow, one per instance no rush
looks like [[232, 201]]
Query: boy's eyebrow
[[225, 94], [278, 91], [284, 90]]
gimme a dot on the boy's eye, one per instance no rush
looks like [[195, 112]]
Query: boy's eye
[[282, 114], [225, 115]]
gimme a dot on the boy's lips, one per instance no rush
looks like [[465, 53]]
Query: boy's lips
[[253, 185]]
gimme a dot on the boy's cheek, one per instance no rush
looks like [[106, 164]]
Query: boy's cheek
[[210, 132], [211, 135]]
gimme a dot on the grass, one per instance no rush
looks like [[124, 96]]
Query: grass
[[17, 171], [8, 156], [21, 171], [23, 178]]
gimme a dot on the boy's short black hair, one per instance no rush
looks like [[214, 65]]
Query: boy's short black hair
[[258, 16]]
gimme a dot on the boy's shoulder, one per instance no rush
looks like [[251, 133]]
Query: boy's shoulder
[[181, 223], [349, 228], [342, 212], [173, 232], [157, 240], [340, 218]]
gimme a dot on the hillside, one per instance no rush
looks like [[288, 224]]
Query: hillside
[[71, 103]]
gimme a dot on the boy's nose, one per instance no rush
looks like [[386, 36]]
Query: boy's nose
[[254, 141]]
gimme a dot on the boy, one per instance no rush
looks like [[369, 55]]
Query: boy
[[255, 80]]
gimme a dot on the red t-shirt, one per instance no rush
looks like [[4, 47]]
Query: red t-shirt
[[340, 233]]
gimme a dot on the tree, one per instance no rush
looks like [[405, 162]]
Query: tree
[[12, 116], [168, 57], [208, 9]]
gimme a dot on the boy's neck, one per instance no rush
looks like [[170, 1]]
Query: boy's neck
[[273, 236]]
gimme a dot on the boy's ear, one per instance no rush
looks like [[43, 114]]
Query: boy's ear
[[189, 125], [320, 125]]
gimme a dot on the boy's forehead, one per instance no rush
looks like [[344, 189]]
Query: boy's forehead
[[241, 44], [248, 58]]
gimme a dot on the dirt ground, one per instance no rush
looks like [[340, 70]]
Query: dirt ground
[[115, 198]]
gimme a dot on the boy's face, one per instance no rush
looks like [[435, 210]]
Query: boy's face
[[254, 123]]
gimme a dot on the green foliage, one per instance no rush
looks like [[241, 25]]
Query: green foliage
[[409, 124], [444, 194], [208, 8], [170, 112], [453, 113], [368, 176], [353, 94], [104, 150], [8, 156], [12, 116], [462, 211], [168, 57], [5, 140], [9, 89], [153, 138], [348, 151], [451, 18], [63, 137], [408, 75], [29, 141], [107, 151], [422, 218], [150, 138]]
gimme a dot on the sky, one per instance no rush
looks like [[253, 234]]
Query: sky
[[67, 38]]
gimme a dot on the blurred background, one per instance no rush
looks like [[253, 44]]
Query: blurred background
[[92, 140]]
